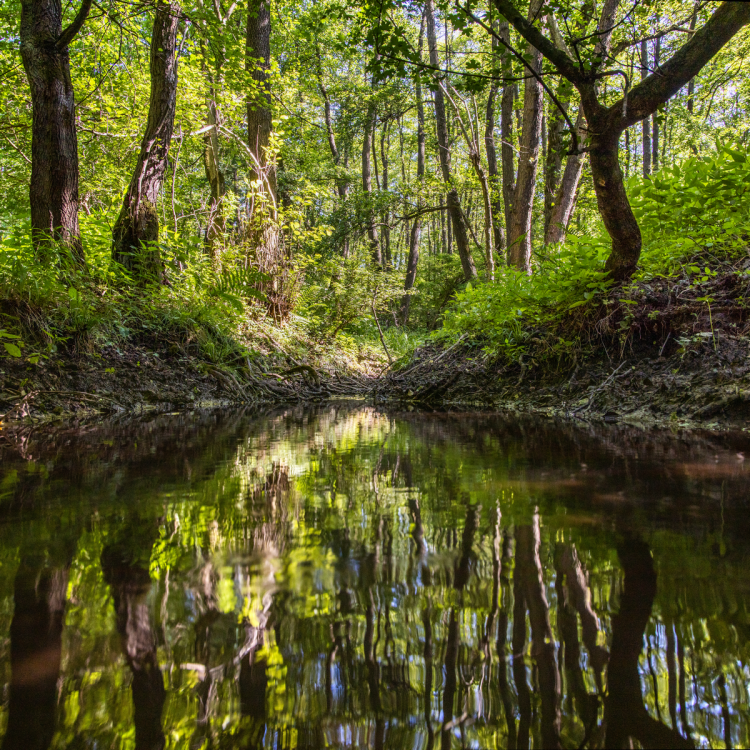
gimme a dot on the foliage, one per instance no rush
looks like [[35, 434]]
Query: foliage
[[691, 214]]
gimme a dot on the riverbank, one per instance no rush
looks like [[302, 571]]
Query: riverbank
[[667, 351], [136, 376]]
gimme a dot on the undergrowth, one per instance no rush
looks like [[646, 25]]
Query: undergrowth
[[695, 222], [207, 310]]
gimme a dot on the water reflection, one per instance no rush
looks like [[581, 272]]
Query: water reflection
[[348, 578]]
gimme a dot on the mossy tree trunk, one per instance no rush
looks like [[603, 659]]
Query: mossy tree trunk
[[136, 232], [53, 191]]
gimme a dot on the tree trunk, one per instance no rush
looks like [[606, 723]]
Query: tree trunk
[[416, 228], [519, 238], [215, 226], [614, 206], [259, 122], [555, 153], [506, 133], [691, 84], [385, 218], [565, 196], [53, 191], [655, 116], [647, 121], [372, 231], [265, 239], [341, 185], [492, 170], [489, 244], [453, 201], [136, 232]]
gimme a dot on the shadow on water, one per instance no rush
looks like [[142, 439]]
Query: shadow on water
[[345, 577]]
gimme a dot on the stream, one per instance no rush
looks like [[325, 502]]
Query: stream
[[351, 577]]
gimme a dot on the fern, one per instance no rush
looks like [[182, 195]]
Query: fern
[[236, 284]]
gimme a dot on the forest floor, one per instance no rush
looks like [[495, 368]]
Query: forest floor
[[676, 352]]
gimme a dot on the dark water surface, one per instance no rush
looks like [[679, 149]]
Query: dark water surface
[[344, 577]]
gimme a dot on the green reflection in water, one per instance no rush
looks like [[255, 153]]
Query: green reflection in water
[[348, 578]]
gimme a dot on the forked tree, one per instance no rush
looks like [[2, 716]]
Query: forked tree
[[605, 123]]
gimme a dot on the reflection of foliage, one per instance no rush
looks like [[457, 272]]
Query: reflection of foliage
[[289, 547]]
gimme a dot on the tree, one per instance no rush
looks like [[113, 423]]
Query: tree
[[416, 228], [519, 235], [136, 232], [264, 237], [607, 122], [53, 190], [367, 141], [444, 155]]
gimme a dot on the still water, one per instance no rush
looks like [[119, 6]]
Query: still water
[[351, 578]]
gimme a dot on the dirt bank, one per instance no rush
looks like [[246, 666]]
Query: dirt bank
[[663, 352], [137, 377]]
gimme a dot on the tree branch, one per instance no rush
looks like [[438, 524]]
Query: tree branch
[[686, 63], [69, 34], [533, 36]]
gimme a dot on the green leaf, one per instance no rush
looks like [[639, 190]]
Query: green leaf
[[12, 349]]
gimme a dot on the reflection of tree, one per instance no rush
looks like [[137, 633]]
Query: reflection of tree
[[268, 505], [207, 604], [529, 571], [572, 589], [625, 715], [124, 565], [39, 596], [460, 579]]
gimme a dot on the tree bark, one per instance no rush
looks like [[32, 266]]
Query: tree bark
[[372, 231], [647, 122], [385, 218], [506, 133], [655, 115], [265, 240], [554, 155], [259, 122], [416, 227], [565, 197], [215, 226], [53, 190], [614, 207], [691, 83], [492, 169], [519, 238], [136, 232], [454, 203], [341, 185]]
